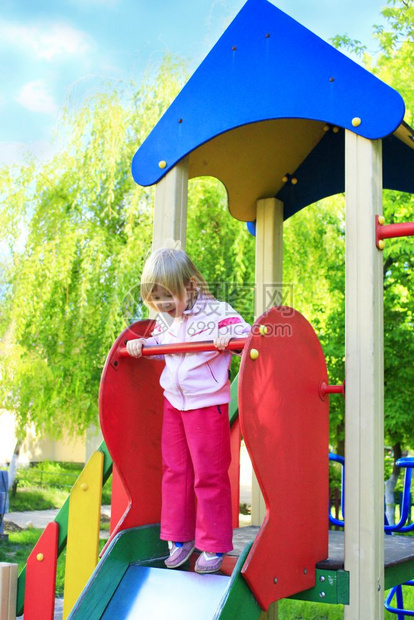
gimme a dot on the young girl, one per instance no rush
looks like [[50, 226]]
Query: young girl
[[195, 443]]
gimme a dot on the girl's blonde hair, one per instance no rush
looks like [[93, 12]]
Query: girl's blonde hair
[[172, 269]]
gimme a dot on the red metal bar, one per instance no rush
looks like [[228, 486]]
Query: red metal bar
[[390, 231], [326, 389], [237, 344]]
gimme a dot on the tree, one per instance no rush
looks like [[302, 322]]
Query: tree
[[79, 230]]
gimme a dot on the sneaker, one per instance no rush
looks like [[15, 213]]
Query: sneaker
[[179, 553], [209, 562]]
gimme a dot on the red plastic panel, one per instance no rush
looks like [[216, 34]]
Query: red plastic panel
[[119, 499], [285, 425], [39, 600], [130, 408], [234, 471]]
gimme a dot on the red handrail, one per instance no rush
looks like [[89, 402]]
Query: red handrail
[[236, 344], [389, 231], [325, 389]]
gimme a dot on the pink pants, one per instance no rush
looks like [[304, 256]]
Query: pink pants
[[196, 496]]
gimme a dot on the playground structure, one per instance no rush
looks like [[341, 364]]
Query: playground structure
[[286, 121]]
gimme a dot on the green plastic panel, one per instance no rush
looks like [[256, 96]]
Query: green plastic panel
[[134, 545], [239, 601], [331, 587], [234, 405]]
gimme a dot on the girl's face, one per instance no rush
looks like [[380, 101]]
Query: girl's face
[[168, 303]]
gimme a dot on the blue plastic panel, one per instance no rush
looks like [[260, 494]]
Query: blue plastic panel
[[267, 66], [158, 593], [322, 174]]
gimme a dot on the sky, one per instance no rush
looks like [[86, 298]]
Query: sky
[[53, 52]]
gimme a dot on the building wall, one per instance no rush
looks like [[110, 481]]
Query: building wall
[[36, 448]]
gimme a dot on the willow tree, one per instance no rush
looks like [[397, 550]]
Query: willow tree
[[78, 231]]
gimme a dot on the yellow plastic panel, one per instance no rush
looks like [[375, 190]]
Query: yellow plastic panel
[[83, 530]]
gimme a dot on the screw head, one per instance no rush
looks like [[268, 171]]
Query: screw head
[[322, 578], [356, 121], [275, 580], [40, 557], [322, 594], [84, 486], [254, 354], [162, 164]]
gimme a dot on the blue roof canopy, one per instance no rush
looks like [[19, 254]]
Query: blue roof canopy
[[267, 95]]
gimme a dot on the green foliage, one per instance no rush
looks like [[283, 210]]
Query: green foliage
[[79, 231], [395, 65], [314, 284], [343, 41]]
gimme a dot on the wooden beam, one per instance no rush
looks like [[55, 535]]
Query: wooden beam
[[268, 278], [170, 209], [364, 414]]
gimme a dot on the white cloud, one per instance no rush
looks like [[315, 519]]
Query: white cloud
[[16, 153], [35, 97], [45, 41]]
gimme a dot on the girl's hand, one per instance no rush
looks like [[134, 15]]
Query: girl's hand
[[221, 342], [134, 347]]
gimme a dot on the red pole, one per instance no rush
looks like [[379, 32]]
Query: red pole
[[389, 231], [237, 344], [326, 389]]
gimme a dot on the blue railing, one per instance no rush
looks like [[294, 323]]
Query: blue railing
[[404, 525]]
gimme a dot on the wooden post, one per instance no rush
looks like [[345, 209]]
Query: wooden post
[[364, 424], [8, 591], [268, 278], [170, 209]]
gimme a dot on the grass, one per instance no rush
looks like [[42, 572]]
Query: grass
[[301, 610], [45, 486], [36, 498]]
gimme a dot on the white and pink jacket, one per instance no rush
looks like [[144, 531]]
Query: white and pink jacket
[[195, 380]]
